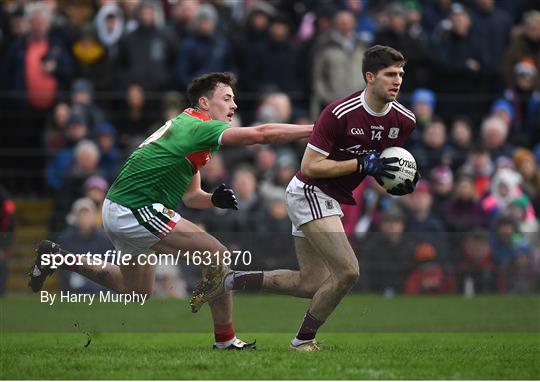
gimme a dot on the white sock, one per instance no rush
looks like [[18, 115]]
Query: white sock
[[296, 342], [221, 345]]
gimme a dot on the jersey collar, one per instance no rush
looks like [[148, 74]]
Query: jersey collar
[[370, 111], [196, 114]]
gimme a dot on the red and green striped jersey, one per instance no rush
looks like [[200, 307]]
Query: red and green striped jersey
[[161, 168]]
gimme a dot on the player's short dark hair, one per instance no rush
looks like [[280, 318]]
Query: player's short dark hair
[[204, 86], [379, 57]]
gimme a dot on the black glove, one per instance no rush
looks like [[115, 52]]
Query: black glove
[[223, 197], [405, 188], [371, 164]]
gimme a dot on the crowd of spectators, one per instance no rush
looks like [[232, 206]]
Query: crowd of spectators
[[82, 83]]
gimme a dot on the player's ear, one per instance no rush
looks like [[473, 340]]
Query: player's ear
[[370, 77], [203, 103]]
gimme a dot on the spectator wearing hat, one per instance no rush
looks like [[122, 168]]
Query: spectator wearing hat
[[387, 254], [82, 102], [109, 22], [423, 103], [503, 109], [147, 54], [108, 29], [110, 157], [82, 236], [428, 276], [277, 53], [524, 95], [76, 130], [205, 50], [249, 43], [504, 190], [524, 44]]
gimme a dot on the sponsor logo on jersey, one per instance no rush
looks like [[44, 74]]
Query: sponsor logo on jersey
[[357, 131], [378, 127], [356, 150], [393, 133]]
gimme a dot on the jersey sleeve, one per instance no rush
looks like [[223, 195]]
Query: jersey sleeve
[[324, 133], [206, 135]]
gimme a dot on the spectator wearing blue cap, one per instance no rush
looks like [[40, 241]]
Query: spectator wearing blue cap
[[423, 105], [110, 157]]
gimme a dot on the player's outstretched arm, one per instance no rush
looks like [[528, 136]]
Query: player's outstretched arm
[[267, 133]]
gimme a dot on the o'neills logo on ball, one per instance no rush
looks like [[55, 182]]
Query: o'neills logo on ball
[[407, 163]]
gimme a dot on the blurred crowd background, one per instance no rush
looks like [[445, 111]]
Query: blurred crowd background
[[83, 82]]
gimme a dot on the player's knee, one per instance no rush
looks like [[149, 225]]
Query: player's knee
[[348, 279]]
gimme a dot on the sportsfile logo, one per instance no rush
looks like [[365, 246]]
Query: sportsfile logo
[[205, 258]]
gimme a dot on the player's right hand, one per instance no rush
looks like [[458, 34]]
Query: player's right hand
[[223, 197], [371, 164]]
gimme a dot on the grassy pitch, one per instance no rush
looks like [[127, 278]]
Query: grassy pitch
[[369, 337]]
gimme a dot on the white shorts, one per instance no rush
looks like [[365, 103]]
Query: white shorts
[[306, 203], [135, 231]]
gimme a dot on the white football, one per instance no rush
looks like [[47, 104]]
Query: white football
[[406, 164]]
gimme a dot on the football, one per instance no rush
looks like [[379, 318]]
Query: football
[[406, 164]]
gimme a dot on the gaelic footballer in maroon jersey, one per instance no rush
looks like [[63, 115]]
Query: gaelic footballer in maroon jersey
[[349, 128], [343, 149]]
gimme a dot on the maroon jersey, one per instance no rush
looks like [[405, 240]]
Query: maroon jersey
[[347, 129]]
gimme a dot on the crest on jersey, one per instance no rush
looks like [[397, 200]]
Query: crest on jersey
[[393, 133], [329, 205]]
